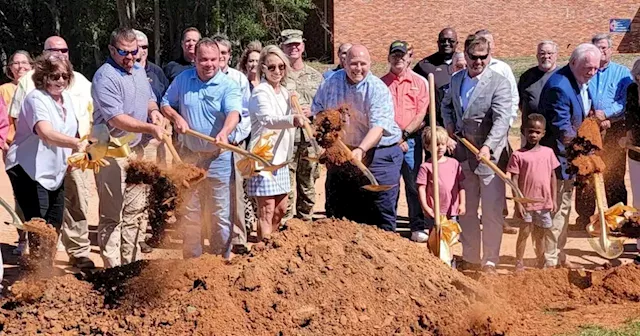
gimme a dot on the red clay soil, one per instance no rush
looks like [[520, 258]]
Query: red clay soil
[[329, 125], [329, 277], [168, 189], [589, 130], [43, 242]]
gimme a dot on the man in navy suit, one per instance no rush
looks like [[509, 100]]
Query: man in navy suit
[[565, 102]]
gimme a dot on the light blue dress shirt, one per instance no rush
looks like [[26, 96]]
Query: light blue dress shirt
[[203, 105], [608, 89], [44, 163], [370, 102], [467, 88]]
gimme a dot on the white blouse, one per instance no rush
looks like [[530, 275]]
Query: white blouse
[[271, 112]]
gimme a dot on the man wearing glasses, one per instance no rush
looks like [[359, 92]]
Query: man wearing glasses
[[304, 80], [75, 228], [410, 100], [217, 115], [478, 107], [438, 65], [124, 101]]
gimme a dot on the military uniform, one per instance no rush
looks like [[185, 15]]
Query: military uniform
[[303, 172]]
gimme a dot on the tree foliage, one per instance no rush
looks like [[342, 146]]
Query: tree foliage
[[86, 24]]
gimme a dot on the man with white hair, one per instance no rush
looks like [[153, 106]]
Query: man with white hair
[[565, 102], [75, 228], [608, 90]]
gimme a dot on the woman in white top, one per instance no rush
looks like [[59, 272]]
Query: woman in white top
[[270, 112], [45, 136]]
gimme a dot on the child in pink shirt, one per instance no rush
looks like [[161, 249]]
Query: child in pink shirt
[[452, 197], [532, 168]]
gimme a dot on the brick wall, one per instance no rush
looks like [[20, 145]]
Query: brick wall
[[517, 25]]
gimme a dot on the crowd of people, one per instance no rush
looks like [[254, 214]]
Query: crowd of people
[[48, 110]]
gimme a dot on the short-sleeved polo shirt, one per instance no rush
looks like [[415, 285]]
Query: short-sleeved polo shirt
[[204, 105], [116, 91]]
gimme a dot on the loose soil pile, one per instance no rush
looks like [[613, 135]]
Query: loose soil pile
[[329, 125], [329, 277], [43, 240], [168, 189], [583, 152]]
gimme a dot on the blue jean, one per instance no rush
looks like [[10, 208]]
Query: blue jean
[[410, 167], [210, 205], [346, 198]]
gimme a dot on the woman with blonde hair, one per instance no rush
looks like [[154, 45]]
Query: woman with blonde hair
[[248, 63], [272, 120]]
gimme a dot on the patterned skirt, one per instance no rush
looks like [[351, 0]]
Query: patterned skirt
[[277, 184]]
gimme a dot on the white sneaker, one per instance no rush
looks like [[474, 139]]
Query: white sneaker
[[21, 249], [419, 236]]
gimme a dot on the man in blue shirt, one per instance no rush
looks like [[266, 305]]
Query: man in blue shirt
[[372, 133], [608, 91], [208, 102], [123, 100]]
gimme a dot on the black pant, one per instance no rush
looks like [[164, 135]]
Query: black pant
[[36, 201], [614, 158]]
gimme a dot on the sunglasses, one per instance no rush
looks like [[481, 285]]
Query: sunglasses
[[478, 57], [124, 53], [145, 47], [447, 40], [57, 76], [60, 50], [272, 68]]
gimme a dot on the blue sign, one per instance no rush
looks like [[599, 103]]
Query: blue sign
[[619, 25]]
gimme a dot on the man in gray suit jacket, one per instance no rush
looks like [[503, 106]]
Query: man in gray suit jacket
[[478, 107]]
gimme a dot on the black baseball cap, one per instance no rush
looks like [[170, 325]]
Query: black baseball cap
[[398, 45]]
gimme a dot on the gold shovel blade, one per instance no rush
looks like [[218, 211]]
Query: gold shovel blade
[[98, 142], [612, 249], [377, 187]]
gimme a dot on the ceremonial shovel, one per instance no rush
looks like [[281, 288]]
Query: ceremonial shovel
[[518, 196], [605, 247], [268, 166]]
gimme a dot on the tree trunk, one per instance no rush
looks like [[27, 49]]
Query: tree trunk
[[156, 31], [96, 49], [123, 13]]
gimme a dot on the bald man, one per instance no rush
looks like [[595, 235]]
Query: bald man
[[75, 229], [372, 134]]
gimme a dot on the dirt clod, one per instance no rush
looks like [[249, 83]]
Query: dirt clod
[[329, 126]]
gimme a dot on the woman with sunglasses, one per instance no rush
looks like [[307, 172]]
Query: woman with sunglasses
[[272, 119], [46, 135]]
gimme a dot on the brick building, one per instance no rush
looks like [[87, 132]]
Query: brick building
[[517, 24]]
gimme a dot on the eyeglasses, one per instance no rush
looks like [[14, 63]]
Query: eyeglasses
[[478, 57], [544, 53], [272, 68], [60, 50], [145, 47], [124, 53], [447, 40], [56, 76]]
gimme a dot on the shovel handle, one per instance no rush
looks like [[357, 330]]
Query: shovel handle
[[14, 216], [169, 143], [306, 126], [229, 147], [357, 163], [633, 148]]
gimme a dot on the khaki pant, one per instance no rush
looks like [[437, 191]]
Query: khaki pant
[[556, 238], [537, 237], [303, 173], [239, 234], [75, 228], [123, 214]]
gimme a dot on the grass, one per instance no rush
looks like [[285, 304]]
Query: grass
[[631, 328]]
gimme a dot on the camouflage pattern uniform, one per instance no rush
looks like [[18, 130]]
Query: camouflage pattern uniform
[[302, 171]]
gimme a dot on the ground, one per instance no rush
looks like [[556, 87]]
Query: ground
[[578, 247]]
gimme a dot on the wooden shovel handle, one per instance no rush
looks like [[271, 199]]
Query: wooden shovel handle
[[172, 149], [306, 126], [229, 147]]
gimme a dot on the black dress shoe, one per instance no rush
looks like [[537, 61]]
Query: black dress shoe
[[144, 248], [82, 262]]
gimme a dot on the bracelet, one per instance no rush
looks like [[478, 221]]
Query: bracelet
[[362, 149]]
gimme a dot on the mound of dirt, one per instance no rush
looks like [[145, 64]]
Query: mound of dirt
[[328, 277]]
